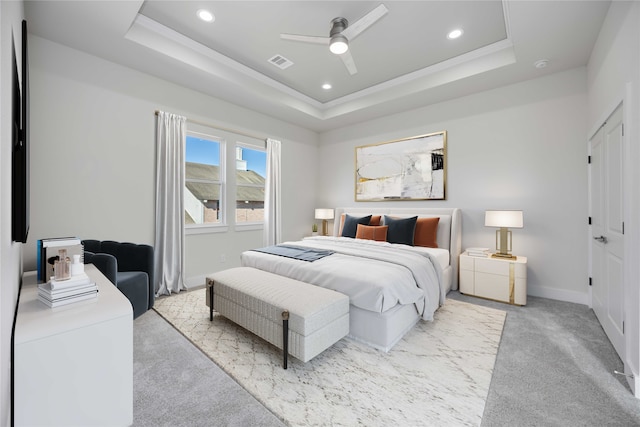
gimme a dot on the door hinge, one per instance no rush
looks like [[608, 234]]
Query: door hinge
[[589, 159], [589, 220], [590, 281], [622, 129], [622, 327], [622, 227]]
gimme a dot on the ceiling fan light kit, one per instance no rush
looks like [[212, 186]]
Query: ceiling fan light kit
[[340, 34], [339, 44]]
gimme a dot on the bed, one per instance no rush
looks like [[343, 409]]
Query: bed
[[390, 286]]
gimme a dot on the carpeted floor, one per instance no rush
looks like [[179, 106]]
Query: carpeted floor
[[554, 368], [440, 373], [175, 384]]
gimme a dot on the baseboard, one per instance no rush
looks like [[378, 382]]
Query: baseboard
[[195, 282], [633, 380], [559, 294]]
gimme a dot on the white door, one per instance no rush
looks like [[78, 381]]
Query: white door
[[607, 229]]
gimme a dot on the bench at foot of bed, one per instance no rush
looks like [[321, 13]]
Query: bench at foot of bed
[[301, 319]]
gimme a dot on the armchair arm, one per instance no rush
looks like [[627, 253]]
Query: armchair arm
[[107, 264], [133, 257]]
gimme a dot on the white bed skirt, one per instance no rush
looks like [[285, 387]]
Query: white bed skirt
[[381, 330], [384, 330]]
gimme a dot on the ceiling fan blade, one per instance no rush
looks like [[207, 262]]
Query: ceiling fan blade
[[306, 39], [347, 59], [353, 30]]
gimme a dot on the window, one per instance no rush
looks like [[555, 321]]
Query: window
[[251, 166], [204, 180]]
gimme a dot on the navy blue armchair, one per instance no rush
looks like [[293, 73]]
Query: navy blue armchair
[[129, 266]]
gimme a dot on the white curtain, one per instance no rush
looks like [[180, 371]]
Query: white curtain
[[272, 196], [171, 137]]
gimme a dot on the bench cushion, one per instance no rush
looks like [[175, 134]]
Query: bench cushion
[[255, 299]]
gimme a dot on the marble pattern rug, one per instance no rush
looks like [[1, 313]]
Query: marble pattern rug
[[438, 374]]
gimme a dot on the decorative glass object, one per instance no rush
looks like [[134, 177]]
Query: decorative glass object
[[62, 266]]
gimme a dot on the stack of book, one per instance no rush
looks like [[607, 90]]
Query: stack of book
[[479, 252], [47, 252], [55, 293]]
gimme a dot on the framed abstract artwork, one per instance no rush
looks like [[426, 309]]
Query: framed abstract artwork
[[412, 168]]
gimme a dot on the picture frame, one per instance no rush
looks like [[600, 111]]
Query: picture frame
[[413, 168]]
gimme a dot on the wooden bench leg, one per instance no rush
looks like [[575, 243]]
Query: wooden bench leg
[[285, 337], [211, 301]]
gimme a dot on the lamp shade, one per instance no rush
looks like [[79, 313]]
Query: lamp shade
[[509, 219], [324, 213]]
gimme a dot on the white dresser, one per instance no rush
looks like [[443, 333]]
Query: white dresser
[[74, 364], [494, 278]]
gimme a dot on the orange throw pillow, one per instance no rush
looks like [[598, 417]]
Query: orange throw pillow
[[426, 233], [369, 232]]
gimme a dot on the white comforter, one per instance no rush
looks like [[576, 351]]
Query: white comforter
[[375, 275]]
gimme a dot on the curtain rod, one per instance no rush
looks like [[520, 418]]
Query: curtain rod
[[198, 122]]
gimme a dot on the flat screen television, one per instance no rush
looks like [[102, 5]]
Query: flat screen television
[[20, 145]]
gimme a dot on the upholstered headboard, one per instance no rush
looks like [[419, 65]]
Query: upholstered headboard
[[449, 227]]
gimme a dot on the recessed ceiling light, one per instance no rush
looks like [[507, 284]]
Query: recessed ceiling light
[[205, 15], [455, 34], [541, 63], [326, 86]]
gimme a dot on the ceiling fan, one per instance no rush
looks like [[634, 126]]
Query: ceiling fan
[[340, 35]]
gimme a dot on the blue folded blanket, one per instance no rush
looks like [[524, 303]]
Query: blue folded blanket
[[295, 252]]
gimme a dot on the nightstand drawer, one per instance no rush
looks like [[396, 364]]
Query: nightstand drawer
[[466, 281], [520, 270], [492, 266], [466, 263], [492, 286]]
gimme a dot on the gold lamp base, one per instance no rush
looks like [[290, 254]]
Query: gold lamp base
[[504, 256], [503, 244]]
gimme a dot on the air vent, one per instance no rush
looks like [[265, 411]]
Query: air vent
[[280, 62]]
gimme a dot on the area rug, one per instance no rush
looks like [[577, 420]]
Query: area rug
[[438, 374]]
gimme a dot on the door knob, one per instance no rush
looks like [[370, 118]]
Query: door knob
[[602, 239]]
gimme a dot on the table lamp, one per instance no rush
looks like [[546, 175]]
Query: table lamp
[[324, 215], [503, 220]]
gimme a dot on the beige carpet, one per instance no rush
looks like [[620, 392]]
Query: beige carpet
[[438, 374]]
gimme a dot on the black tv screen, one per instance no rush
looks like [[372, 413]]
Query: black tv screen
[[20, 145]]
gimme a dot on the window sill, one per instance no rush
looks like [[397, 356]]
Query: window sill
[[206, 229], [251, 226]]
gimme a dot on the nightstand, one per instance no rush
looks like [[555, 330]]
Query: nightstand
[[497, 279]]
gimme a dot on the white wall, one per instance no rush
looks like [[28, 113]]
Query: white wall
[[93, 155], [11, 15], [518, 147], [614, 76]]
